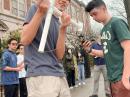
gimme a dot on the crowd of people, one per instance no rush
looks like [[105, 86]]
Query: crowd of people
[[46, 76], [13, 76], [74, 62], [75, 65]]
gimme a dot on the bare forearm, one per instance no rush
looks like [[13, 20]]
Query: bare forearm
[[30, 30], [98, 53], [7, 68], [127, 62], [60, 47], [126, 72]]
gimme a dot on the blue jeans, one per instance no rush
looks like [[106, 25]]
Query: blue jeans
[[81, 72]]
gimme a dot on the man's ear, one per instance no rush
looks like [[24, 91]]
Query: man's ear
[[8, 45], [104, 7]]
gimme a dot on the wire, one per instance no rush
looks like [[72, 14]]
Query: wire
[[49, 51]]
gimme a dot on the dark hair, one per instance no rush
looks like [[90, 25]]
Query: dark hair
[[10, 40], [19, 45], [92, 40], [93, 4]]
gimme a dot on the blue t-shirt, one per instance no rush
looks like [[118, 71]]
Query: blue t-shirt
[[43, 64], [9, 58], [98, 60]]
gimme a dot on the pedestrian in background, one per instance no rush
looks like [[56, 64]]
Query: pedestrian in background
[[22, 73], [99, 68], [10, 69], [115, 38]]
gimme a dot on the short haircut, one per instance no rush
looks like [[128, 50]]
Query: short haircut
[[10, 40], [94, 4]]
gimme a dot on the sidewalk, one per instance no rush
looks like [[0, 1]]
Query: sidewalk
[[86, 90]]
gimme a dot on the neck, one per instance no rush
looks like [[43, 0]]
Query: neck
[[21, 53], [11, 50], [108, 18]]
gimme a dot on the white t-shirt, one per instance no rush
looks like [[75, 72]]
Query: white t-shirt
[[22, 73]]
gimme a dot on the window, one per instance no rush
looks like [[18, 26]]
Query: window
[[7, 4], [18, 8], [22, 8], [15, 7], [28, 4]]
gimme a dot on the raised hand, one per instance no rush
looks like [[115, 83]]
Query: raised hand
[[43, 5], [65, 20]]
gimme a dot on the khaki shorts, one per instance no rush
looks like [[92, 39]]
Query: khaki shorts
[[47, 86], [118, 90]]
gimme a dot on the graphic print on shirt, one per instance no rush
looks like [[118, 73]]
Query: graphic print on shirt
[[106, 36]]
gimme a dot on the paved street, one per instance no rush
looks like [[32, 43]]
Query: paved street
[[86, 90]]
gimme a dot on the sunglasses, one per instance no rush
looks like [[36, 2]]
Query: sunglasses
[[14, 44]]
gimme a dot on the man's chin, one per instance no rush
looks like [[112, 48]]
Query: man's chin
[[62, 9], [98, 21]]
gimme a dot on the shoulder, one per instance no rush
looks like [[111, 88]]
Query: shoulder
[[6, 53], [119, 24], [33, 7], [116, 21], [20, 56]]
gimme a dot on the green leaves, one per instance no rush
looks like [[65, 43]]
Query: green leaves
[[6, 37]]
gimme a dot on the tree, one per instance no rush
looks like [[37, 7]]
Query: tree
[[121, 8], [118, 9], [3, 42], [127, 7]]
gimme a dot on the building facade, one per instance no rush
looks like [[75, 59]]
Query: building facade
[[12, 14], [77, 12]]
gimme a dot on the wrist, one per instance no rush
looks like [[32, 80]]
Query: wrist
[[14, 69], [41, 11], [89, 50], [17, 69], [63, 27], [63, 30]]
